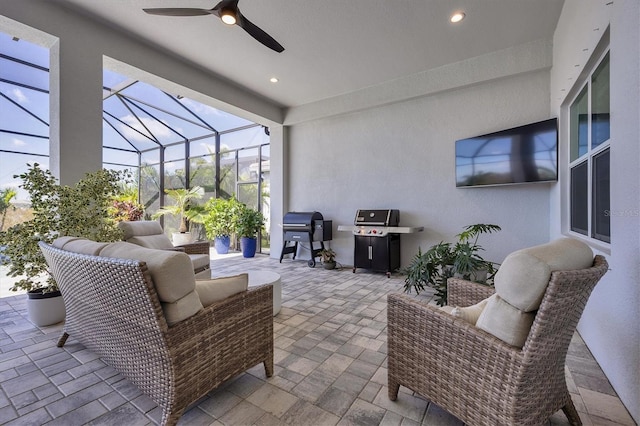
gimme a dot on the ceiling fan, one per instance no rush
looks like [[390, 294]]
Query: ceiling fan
[[228, 11]]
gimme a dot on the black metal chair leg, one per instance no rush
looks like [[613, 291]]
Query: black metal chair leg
[[63, 339]]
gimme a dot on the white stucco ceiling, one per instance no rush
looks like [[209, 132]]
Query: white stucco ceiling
[[332, 47]]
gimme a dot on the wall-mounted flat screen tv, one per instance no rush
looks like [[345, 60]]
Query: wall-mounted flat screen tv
[[524, 154]]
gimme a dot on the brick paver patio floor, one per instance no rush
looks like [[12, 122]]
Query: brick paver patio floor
[[330, 366]]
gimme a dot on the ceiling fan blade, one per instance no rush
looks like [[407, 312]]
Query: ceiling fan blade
[[259, 34], [233, 4], [178, 11], [222, 8]]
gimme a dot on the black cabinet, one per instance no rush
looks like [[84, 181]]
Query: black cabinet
[[379, 254]]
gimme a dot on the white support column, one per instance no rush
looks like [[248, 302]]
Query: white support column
[[75, 110], [278, 185]]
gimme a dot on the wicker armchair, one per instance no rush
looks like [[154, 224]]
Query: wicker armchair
[[113, 309], [477, 377], [149, 233]]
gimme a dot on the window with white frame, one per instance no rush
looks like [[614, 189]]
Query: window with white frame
[[589, 146]]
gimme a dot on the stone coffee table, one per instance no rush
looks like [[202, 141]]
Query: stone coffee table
[[258, 278]]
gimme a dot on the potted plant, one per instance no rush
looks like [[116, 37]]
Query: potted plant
[[78, 211], [444, 260], [219, 220], [249, 222], [6, 195], [182, 198], [125, 206], [328, 257]]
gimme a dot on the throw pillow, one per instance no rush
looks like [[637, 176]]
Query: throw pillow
[[182, 308], [506, 322], [470, 313], [216, 289]]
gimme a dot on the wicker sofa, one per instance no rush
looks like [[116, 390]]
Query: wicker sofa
[[173, 351], [476, 374]]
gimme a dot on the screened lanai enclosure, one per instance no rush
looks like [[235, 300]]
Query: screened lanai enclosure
[[174, 142], [168, 141]]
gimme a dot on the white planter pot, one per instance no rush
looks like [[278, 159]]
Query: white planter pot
[[45, 310], [181, 238]]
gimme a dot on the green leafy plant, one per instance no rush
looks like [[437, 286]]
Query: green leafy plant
[[249, 222], [327, 255], [219, 217], [182, 198], [78, 211], [126, 211], [125, 206], [6, 195], [444, 260]]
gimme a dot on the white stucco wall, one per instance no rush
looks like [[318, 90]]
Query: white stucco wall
[[401, 156], [610, 324]]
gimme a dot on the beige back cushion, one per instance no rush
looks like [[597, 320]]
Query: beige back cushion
[[61, 241], [172, 275], [522, 278], [521, 282], [145, 233], [79, 245], [158, 242]]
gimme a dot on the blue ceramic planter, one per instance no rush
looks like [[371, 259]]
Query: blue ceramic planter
[[222, 244], [248, 246]]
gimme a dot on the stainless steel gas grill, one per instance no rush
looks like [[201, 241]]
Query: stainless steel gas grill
[[308, 227], [377, 239]]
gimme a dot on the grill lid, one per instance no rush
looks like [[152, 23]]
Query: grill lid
[[377, 217], [300, 220]]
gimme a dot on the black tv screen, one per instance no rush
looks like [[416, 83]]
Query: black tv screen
[[524, 154]]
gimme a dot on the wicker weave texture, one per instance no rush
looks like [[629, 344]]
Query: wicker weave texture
[[199, 247], [466, 293], [477, 377], [113, 309]]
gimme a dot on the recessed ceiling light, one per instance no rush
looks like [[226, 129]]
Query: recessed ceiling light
[[273, 80], [457, 17]]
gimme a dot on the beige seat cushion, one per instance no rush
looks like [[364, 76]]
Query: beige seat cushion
[[200, 260], [506, 322], [217, 289], [172, 275]]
